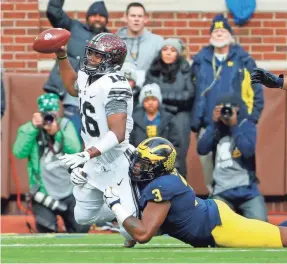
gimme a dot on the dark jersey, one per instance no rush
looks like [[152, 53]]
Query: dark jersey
[[190, 219]]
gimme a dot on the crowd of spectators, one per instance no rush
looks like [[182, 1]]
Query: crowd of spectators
[[172, 97]]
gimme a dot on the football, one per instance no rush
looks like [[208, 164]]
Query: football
[[51, 40]]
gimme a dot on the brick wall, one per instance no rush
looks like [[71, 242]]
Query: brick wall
[[265, 36]]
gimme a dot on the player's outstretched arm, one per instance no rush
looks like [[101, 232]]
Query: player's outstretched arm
[[153, 217], [67, 73], [268, 79], [141, 230]]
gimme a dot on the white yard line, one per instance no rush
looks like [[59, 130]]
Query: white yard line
[[164, 247]]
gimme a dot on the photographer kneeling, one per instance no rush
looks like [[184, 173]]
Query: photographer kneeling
[[232, 139], [43, 140]]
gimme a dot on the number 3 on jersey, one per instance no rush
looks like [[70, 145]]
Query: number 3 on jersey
[[157, 194], [89, 125]]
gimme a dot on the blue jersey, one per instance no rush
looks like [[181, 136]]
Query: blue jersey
[[190, 219]]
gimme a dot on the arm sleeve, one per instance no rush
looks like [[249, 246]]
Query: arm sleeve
[[165, 188], [116, 99], [158, 193], [26, 138], [71, 141], [57, 16], [207, 140], [258, 98], [244, 136]]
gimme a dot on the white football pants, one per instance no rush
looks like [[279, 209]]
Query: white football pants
[[90, 207]]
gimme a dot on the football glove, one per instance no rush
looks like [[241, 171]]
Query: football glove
[[266, 78], [111, 196], [78, 177], [75, 160]]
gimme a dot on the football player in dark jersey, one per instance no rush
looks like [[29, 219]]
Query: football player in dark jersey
[[268, 79], [170, 206]]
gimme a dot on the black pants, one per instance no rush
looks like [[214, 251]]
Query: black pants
[[46, 219]]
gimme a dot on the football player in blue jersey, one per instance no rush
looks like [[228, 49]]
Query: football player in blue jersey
[[170, 206]]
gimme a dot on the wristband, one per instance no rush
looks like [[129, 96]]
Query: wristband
[[120, 212], [108, 142], [62, 58]]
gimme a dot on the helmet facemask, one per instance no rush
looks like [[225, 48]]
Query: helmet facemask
[[103, 67], [144, 170]]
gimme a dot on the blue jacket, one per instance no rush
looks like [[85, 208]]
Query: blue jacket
[[234, 77], [244, 135]]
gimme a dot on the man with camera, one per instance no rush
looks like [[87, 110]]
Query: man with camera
[[43, 140], [232, 139]]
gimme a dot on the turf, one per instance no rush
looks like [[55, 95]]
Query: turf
[[101, 248]]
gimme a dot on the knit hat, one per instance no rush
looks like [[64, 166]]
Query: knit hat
[[98, 7], [150, 90], [129, 70], [219, 21], [48, 102], [174, 42]]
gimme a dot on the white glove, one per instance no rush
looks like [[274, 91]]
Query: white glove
[[75, 160], [78, 177], [111, 196]]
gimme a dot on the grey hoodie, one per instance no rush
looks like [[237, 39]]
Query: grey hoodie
[[145, 47]]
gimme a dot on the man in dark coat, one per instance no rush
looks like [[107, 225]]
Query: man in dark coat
[[81, 33], [150, 120], [219, 68]]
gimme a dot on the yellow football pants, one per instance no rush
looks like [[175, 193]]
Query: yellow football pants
[[238, 231]]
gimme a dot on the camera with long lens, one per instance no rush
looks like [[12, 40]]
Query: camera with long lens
[[48, 117], [47, 200], [226, 111]]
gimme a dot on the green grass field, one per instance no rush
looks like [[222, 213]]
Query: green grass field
[[102, 248]]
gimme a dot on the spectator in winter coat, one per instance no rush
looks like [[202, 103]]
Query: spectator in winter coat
[[96, 21], [171, 72], [42, 141], [142, 45], [220, 68], [232, 138], [151, 120]]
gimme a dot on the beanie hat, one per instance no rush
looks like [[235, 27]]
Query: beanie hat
[[98, 7], [219, 21], [129, 70], [48, 102], [174, 42], [150, 90]]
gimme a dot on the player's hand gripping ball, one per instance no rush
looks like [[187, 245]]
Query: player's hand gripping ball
[[51, 40]]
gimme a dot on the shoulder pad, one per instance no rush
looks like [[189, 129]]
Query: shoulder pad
[[165, 188]]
